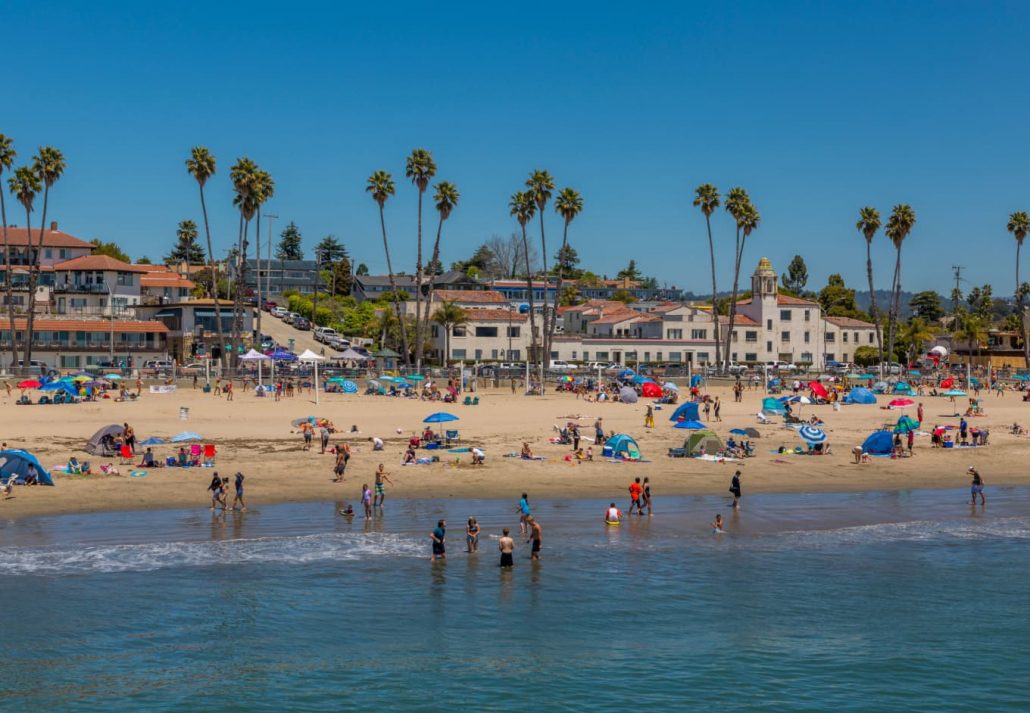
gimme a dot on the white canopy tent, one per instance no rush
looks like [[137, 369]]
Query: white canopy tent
[[257, 356], [310, 357]]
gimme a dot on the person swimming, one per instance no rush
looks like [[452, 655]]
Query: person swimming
[[717, 525]]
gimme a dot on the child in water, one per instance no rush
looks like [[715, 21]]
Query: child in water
[[717, 525]]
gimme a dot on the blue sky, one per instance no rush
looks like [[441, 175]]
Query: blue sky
[[817, 110]]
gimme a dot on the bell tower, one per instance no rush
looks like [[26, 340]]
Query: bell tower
[[763, 281]]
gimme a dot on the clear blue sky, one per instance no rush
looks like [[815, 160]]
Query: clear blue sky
[[816, 110]]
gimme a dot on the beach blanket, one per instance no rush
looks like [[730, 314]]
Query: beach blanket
[[715, 459]]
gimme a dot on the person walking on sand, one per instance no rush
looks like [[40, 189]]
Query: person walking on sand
[[649, 417], [919, 412], [238, 498], [507, 547], [366, 500], [216, 490], [472, 535], [735, 489], [598, 432], [574, 432], [323, 432], [536, 536], [524, 513], [228, 389], [438, 535], [381, 475], [635, 492], [717, 407], [976, 487]]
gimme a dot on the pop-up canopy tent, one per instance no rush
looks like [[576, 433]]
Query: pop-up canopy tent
[[15, 464], [622, 446], [627, 395], [703, 440], [879, 443], [861, 395], [102, 442], [685, 412]]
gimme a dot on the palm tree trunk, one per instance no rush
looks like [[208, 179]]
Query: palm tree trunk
[[546, 351], [715, 314], [733, 295], [8, 281], [529, 294], [418, 289], [432, 288], [257, 274], [393, 287], [214, 284], [34, 275], [1019, 304], [893, 315], [873, 312], [557, 289]]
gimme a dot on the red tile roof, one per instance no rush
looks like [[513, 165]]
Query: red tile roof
[[470, 296], [785, 300], [19, 237], [91, 325], [98, 262], [739, 321], [478, 314], [165, 280], [625, 316], [850, 322]]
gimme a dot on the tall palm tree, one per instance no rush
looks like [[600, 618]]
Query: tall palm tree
[[899, 225], [446, 198], [420, 169], [868, 223], [449, 316], [706, 197], [25, 186], [7, 156], [746, 217], [523, 207], [1019, 225], [49, 166], [264, 189], [201, 165], [380, 185], [915, 334], [540, 185], [243, 175], [969, 328], [568, 205]]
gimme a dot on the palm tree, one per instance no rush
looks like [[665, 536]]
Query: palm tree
[[380, 185], [540, 184], [7, 156], [25, 185], [446, 199], [868, 223], [243, 175], [1019, 225], [449, 316], [747, 218], [899, 225], [523, 207], [706, 197], [201, 165], [420, 169], [49, 166], [264, 189], [568, 205], [969, 328], [915, 334]]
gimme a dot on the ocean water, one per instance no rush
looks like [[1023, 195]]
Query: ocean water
[[894, 601]]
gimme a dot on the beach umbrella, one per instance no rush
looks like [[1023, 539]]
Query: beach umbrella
[[954, 392], [625, 373], [415, 377], [349, 387], [440, 417], [670, 386], [303, 419], [901, 403], [691, 425], [855, 375], [1021, 377], [811, 434], [186, 436], [152, 441], [29, 384], [752, 432], [82, 377], [336, 380], [818, 389], [906, 424], [738, 431], [112, 377], [627, 395]]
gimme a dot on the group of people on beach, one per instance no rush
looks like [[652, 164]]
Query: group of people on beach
[[219, 489]]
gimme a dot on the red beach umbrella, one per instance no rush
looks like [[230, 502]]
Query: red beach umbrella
[[901, 403], [29, 384]]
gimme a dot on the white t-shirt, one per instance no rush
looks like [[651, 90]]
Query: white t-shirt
[[478, 453], [613, 515], [377, 443]]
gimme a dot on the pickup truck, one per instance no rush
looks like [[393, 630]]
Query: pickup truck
[[324, 334]]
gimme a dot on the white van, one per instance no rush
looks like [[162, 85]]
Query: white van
[[560, 365]]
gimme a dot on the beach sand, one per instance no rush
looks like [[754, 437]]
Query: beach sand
[[254, 435]]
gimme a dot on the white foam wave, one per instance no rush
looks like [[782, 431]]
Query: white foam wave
[[161, 555], [916, 531]]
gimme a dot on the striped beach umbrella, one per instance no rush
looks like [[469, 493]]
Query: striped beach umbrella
[[811, 434]]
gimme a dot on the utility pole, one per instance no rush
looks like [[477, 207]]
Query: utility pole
[[957, 269], [314, 299], [268, 279]]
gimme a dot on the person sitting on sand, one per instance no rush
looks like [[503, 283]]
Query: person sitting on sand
[[478, 456], [148, 459], [527, 452], [377, 443], [589, 454], [409, 456]]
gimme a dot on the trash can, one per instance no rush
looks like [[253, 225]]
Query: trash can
[[184, 413]]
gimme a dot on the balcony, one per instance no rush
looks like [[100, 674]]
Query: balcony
[[81, 288]]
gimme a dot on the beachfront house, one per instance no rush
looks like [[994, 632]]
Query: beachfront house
[[161, 284], [488, 334], [95, 285], [191, 326], [78, 343], [56, 247]]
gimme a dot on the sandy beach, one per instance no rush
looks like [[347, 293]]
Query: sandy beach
[[255, 436]]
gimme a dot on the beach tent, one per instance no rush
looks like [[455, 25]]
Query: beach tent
[[902, 387], [625, 374], [102, 442], [690, 425], [879, 387], [186, 436], [638, 379], [706, 440], [60, 386], [906, 424], [860, 395], [818, 389], [627, 395], [651, 390], [622, 446], [879, 443], [685, 412], [352, 355], [771, 405], [15, 464]]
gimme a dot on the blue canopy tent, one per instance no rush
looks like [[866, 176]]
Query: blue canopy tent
[[621, 446], [879, 443], [15, 464], [903, 387], [281, 354], [771, 405], [685, 412], [349, 387], [860, 395], [60, 386], [690, 425]]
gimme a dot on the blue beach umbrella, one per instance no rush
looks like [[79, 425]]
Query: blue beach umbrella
[[186, 436], [152, 441], [811, 434], [691, 425], [625, 373], [349, 387], [440, 417]]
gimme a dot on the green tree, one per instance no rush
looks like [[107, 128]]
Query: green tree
[[330, 249], [245, 178], [7, 156], [540, 184], [48, 165], [796, 276], [981, 302], [623, 296], [927, 306], [868, 223], [747, 219], [568, 205], [706, 198], [289, 244], [956, 297], [867, 356], [144, 260], [970, 330], [481, 259], [914, 335], [899, 225], [110, 249], [201, 165], [340, 280], [569, 296], [523, 208], [566, 261], [449, 315], [836, 299], [25, 186], [589, 279], [446, 197], [380, 186], [420, 169], [630, 272], [186, 248], [361, 270]]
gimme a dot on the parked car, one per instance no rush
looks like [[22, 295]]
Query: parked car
[[560, 365], [158, 365], [279, 312], [301, 323], [781, 366], [892, 367], [195, 367], [339, 343], [269, 305], [324, 334]]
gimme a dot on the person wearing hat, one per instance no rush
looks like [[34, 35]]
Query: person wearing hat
[[976, 487]]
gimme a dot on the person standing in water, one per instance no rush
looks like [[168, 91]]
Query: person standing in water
[[536, 536], [438, 535], [472, 535], [646, 496], [717, 525], [507, 546], [381, 475], [976, 487], [366, 500], [524, 513], [238, 498], [735, 489], [635, 491]]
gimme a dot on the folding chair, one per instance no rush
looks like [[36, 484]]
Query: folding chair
[[451, 436], [475, 401], [209, 454], [195, 454], [126, 455], [467, 401]]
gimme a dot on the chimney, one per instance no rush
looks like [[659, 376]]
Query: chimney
[[53, 226]]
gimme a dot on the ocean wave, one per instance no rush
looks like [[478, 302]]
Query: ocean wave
[[162, 555], [915, 531]]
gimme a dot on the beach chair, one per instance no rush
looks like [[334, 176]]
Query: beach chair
[[451, 436], [209, 454], [677, 452], [467, 401], [475, 401], [44, 400], [195, 451], [125, 455]]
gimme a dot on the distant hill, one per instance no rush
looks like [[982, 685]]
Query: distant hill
[[861, 300]]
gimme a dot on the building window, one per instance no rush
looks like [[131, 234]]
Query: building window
[[768, 347], [48, 253], [436, 332], [674, 334], [514, 331], [699, 334], [856, 342], [808, 315], [808, 336], [831, 337], [602, 356], [871, 337], [751, 336], [844, 337], [806, 357], [493, 354], [844, 356], [486, 331], [768, 324], [702, 357], [734, 336], [458, 332], [830, 356], [674, 356], [784, 336], [784, 315], [457, 353], [750, 356], [479, 354]]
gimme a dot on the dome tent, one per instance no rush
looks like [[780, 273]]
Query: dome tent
[[703, 440], [879, 443], [860, 395], [685, 412], [15, 464], [621, 446], [102, 442]]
